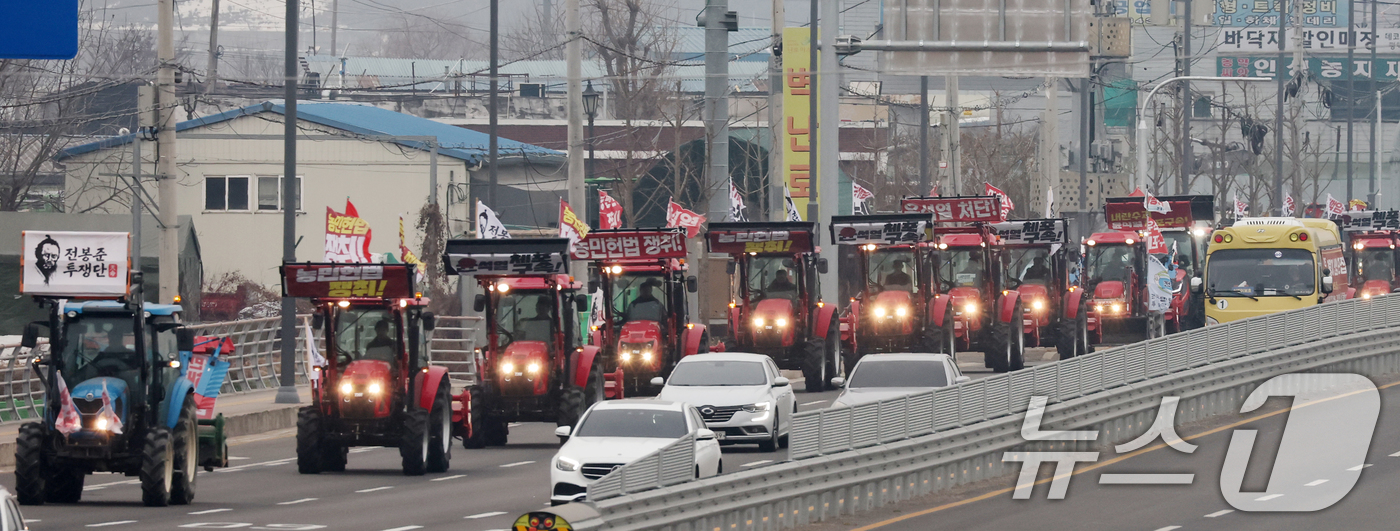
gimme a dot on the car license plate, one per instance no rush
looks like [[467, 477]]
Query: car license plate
[[719, 436]]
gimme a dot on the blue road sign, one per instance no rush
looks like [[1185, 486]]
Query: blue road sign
[[38, 29]]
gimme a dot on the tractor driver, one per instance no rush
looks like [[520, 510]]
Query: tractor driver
[[539, 326], [899, 278], [1038, 272], [381, 347], [781, 286], [646, 307]]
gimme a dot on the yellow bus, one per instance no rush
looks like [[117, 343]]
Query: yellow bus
[[1260, 266]]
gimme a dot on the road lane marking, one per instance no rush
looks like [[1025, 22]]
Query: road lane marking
[[101, 486], [485, 515], [294, 502], [361, 450], [508, 465], [31, 520], [513, 425], [237, 458], [375, 489], [1218, 514], [405, 528], [1101, 464], [1396, 454], [1169, 528], [813, 403], [118, 522], [1314, 483], [449, 477], [756, 463], [212, 511], [1269, 497], [1358, 468]]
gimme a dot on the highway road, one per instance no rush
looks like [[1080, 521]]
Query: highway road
[[1370, 505], [261, 490]]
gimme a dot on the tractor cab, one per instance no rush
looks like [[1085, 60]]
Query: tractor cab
[[1033, 259], [529, 322], [888, 313], [1184, 227], [1114, 280], [642, 327], [969, 274], [1371, 237]]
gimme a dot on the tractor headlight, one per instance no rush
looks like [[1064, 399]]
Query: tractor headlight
[[508, 368], [1365, 296], [566, 464], [101, 424], [347, 388], [902, 311], [533, 368], [646, 356], [1116, 307], [757, 322], [780, 322], [626, 356], [1037, 305], [879, 311], [374, 388], [970, 307], [1098, 307]]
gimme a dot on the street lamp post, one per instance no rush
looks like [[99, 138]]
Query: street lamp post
[[1143, 131], [590, 109]]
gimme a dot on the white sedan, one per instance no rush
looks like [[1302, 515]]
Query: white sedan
[[616, 432], [742, 397], [883, 376]]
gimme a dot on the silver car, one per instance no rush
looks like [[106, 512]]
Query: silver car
[[742, 397], [882, 376]]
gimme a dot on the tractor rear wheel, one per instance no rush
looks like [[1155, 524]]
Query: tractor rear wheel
[[65, 486], [814, 365], [595, 392], [440, 446], [185, 439], [477, 420], [157, 467], [413, 447], [1017, 330], [310, 441], [30, 484], [833, 354]]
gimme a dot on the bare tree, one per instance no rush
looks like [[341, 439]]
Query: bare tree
[[1003, 156], [419, 37], [535, 37], [629, 37]]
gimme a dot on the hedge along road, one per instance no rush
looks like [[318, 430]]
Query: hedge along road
[[261, 490]]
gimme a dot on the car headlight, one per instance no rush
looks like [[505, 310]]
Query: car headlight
[[781, 322], [902, 311], [879, 311], [508, 368], [374, 388], [1037, 305], [566, 464], [757, 322], [970, 307], [533, 368], [347, 388], [758, 408]]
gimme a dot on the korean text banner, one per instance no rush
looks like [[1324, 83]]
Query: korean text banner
[[1358, 220], [786, 238], [954, 209], [1031, 231], [347, 236], [1256, 13], [334, 281], [1133, 216], [75, 264], [631, 244], [888, 229], [507, 264], [797, 93]]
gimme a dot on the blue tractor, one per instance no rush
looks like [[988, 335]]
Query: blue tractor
[[117, 400]]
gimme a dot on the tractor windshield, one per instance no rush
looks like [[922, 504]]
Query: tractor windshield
[[525, 316], [962, 268], [367, 333], [1261, 272], [892, 269], [1027, 265], [772, 278], [1110, 262], [638, 297], [98, 345], [1376, 264]]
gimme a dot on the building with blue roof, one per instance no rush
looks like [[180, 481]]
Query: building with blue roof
[[230, 166]]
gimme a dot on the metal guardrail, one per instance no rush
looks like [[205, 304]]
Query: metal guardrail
[[671, 465], [931, 441], [253, 366]]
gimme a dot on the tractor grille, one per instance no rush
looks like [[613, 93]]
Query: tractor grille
[[89, 407], [598, 470], [718, 413]]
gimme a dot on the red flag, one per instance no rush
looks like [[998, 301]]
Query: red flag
[[1137, 192], [108, 413], [678, 216], [1006, 205], [1288, 205], [1241, 207], [68, 420], [570, 225], [609, 212], [347, 236], [933, 192], [1156, 243], [1151, 203], [1335, 207]]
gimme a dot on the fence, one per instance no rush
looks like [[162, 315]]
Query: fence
[[254, 365], [672, 464], [931, 441]]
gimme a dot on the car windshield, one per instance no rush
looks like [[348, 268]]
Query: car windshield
[[898, 373], [366, 334], [892, 269], [1376, 264], [99, 346], [1110, 262], [1261, 272], [1028, 265], [638, 297], [525, 316], [962, 268], [654, 423], [718, 372], [772, 277]]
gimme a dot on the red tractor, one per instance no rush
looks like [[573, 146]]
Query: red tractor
[[1372, 237], [375, 386], [533, 367], [888, 312], [1114, 295], [1034, 258], [1184, 229], [642, 329], [777, 309]]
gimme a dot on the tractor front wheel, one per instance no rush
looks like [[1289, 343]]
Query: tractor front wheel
[[186, 451], [413, 447], [310, 443], [157, 467], [814, 365], [477, 420], [571, 407], [65, 486], [440, 447], [30, 484]]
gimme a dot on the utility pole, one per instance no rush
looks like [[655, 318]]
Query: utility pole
[[214, 46], [1186, 104], [828, 133], [1050, 136], [717, 108], [815, 90], [1277, 198], [492, 142], [573, 52], [954, 136], [287, 393], [924, 185], [145, 106], [1375, 160], [1083, 160], [548, 23], [1351, 96], [165, 149], [777, 208], [335, 23]]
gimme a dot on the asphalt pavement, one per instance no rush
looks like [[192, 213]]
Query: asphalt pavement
[[261, 490]]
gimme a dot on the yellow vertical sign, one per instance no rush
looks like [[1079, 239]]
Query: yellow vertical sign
[[797, 95]]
